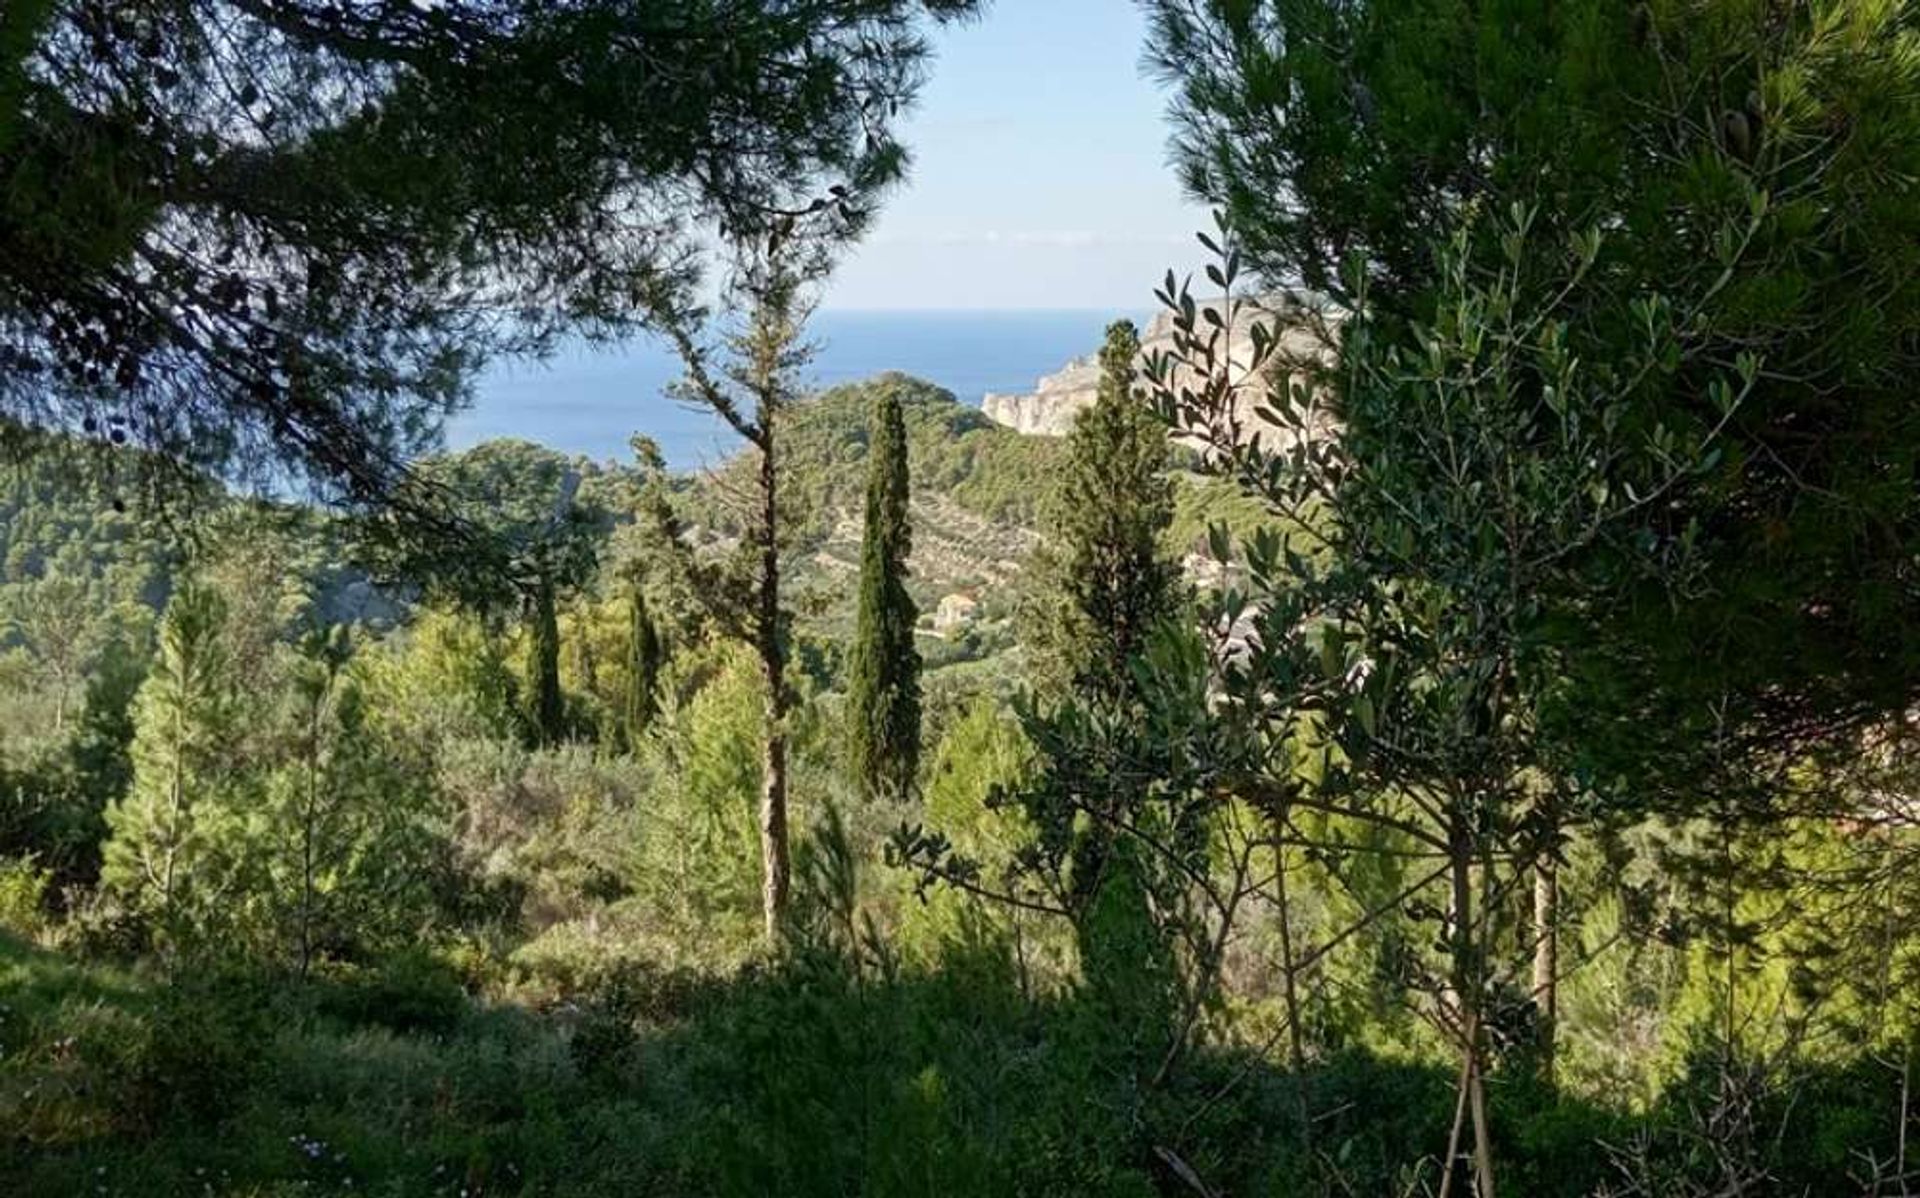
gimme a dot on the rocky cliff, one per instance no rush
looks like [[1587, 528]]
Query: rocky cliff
[[1048, 410]]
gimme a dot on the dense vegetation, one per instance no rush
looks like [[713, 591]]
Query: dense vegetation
[[1490, 771]]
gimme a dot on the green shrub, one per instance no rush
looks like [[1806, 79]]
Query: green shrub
[[23, 892], [413, 991], [199, 1050]]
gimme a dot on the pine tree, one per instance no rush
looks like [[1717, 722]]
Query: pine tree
[[182, 724], [327, 714], [752, 394], [884, 673], [339, 180], [339, 857]]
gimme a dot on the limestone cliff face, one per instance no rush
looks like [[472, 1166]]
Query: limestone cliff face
[[1048, 410]]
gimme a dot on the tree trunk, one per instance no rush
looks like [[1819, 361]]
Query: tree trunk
[[773, 824], [1466, 985], [1297, 1051], [1482, 1127], [1289, 976], [776, 870], [1546, 958], [176, 813], [308, 835]]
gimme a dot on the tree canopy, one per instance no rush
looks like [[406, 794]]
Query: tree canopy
[[282, 233], [1752, 168]]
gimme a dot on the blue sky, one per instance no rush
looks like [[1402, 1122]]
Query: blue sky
[[1040, 177]]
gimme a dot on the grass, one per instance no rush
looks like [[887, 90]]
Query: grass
[[806, 1079]]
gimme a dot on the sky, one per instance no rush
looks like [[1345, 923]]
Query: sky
[[1041, 177]]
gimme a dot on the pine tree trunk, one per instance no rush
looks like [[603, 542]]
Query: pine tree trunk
[[773, 826], [176, 812], [1289, 976], [773, 772]]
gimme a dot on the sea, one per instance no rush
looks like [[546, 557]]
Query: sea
[[589, 400]]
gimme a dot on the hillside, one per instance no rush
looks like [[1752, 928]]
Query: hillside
[[979, 489], [977, 493]]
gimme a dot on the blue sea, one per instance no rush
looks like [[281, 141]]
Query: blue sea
[[589, 401]]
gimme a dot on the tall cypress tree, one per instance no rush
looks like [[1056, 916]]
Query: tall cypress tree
[[1112, 583], [884, 674], [1112, 579], [549, 701], [645, 655]]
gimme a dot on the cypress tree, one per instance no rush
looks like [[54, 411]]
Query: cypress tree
[[645, 655], [1109, 582], [549, 701], [1113, 578], [884, 673]]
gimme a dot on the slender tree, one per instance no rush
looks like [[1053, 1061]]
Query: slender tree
[[646, 656], [54, 617], [1112, 585], [1460, 511], [543, 654], [1718, 148], [339, 859], [883, 690], [326, 713], [751, 395], [1114, 850]]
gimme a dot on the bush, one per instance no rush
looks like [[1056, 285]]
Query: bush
[[412, 991], [23, 892], [198, 1051]]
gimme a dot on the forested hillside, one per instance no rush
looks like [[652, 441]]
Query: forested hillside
[[1467, 748]]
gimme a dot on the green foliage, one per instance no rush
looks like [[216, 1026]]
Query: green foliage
[[1107, 580], [359, 185], [23, 893], [1344, 142], [80, 580], [203, 1043], [806, 1080], [159, 857], [883, 668], [342, 846], [534, 546], [410, 991], [711, 837], [447, 675], [646, 657], [955, 454]]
